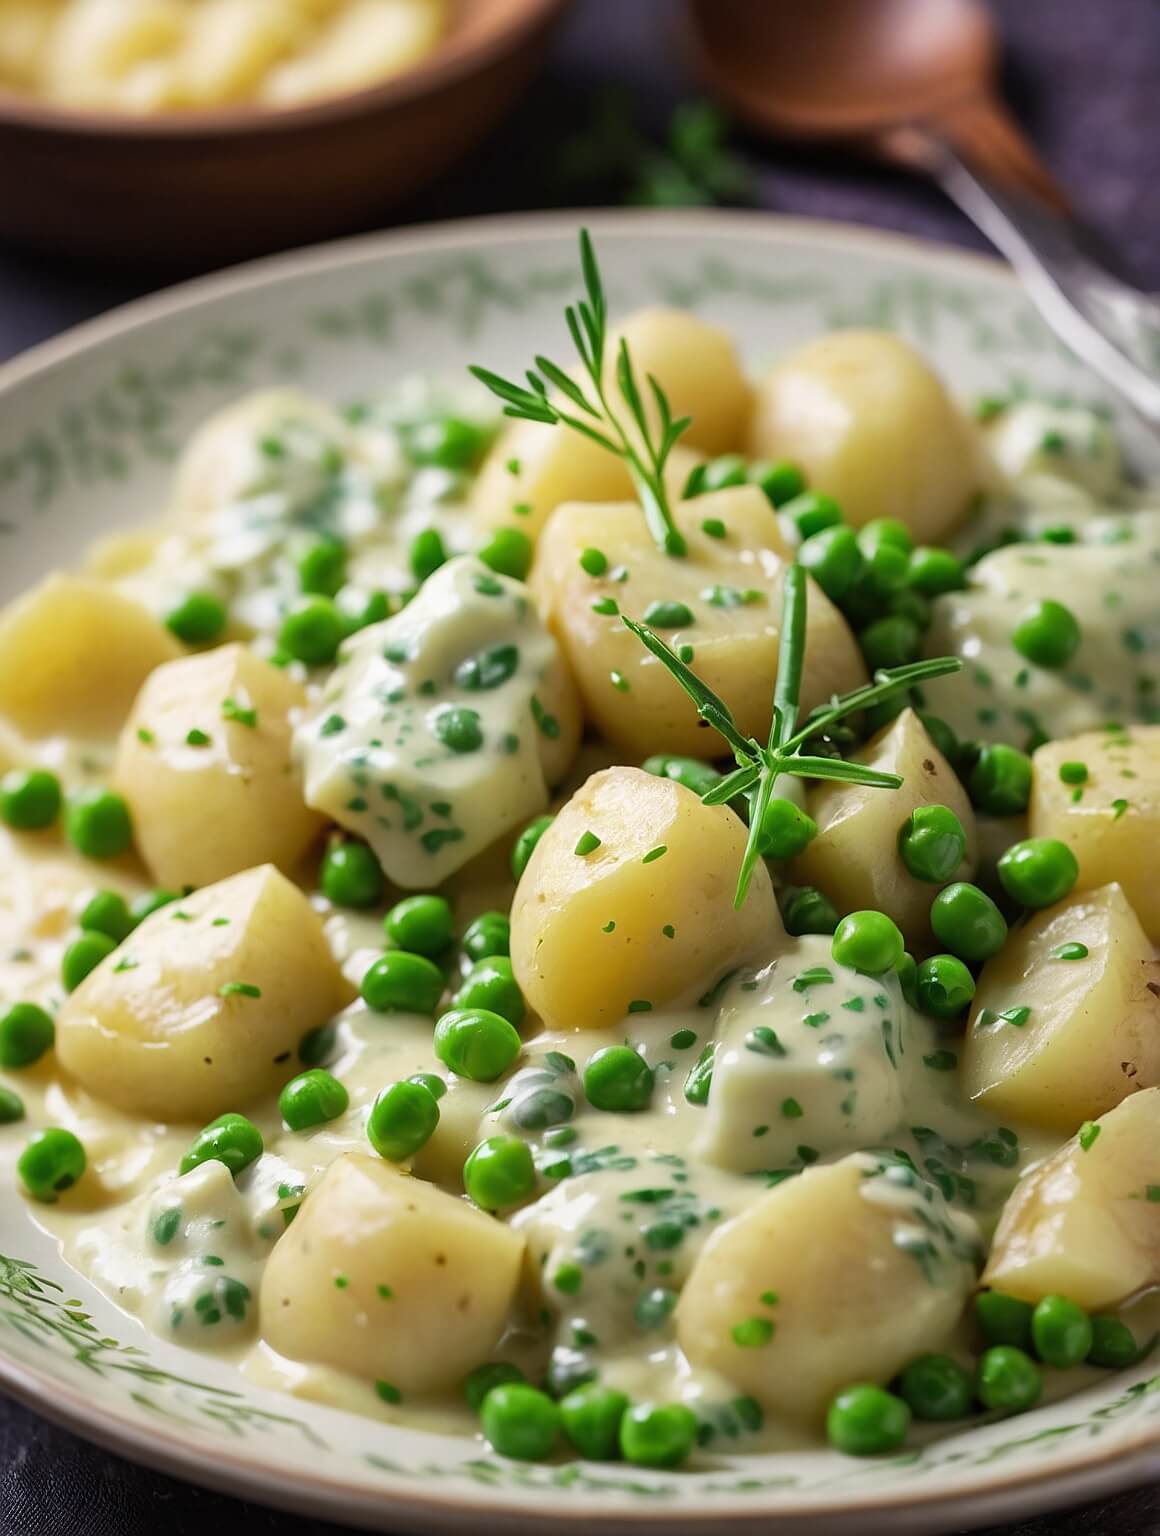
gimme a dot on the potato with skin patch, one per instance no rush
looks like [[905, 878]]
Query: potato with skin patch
[[73, 653], [1057, 1037], [536, 467], [1085, 1223], [731, 586], [589, 932], [229, 798], [813, 1286], [854, 859], [201, 1010], [1111, 819], [390, 1278], [872, 425]]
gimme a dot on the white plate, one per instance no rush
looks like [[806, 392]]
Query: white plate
[[88, 428]]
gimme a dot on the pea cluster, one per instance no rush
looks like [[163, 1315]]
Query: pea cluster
[[1017, 1338]]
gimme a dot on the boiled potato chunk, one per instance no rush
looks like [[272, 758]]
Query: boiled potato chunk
[[73, 653], [588, 929], [869, 1267], [1058, 1041], [1112, 824], [871, 424], [697, 367], [430, 1280], [732, 587], [205, 811], [854, 857], [1086, 1223], [201, 1009]]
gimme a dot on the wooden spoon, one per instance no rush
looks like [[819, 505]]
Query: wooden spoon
[[915, 81]]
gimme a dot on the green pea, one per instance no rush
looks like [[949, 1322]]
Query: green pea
[[592, 1415], [943, 986], [868, 941], [884, 530], [865, 1420], [312, 1098], [941, 735], [1061, 1332], [932, 843], [690, 771], [618, 1079], [322, 568], [907, 973], [491, 985], [198, 618], [894, 641], [494, 1373], [107, 912], [1038, 872], [593, 561], [525, 844], [11, 1107], [448, 442], [422, 924], [521, 1422], [812, 513], [52, 1161], [1047, 635], [486, 935], [312, 631], [1113, 1344], [426, 553], [933, 571], [26, 1033], [657, 1434], [97, 823], [476, 1043], [663, 615], [721, 473], [780, 480], [360, 609], [499, 1172], [230, 1139], [400, 982], [82, 957], [786, 830], [402, 1120], [1000, 781], [936, 1388], [351, 876], [834, 560], [1004, 1319], [29, 800], [1007, 1379], [882, 574], [806, 910], [509, 552], [908, 604], [148, 902], [434, 1084], [968, 922], [458, 728]]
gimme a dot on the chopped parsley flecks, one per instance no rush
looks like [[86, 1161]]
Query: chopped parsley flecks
[[1088, 1133]]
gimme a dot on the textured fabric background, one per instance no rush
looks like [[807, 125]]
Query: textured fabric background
[[1085, 77]]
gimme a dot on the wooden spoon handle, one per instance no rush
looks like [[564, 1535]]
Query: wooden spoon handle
[[985, 135]]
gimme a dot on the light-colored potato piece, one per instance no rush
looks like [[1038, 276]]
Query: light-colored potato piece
[[202, 812], [532, 468], [869, 1268], [697, 366], [161, 1028], [429, 1280], [733, 588], [73, 653], [1086, 1223], [854, 857], [1112, 821], [1058, 1041], [588, 930], [371, 747], [871, 425]]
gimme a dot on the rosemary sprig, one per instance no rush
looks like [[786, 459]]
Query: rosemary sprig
[[759, 767], [588, 327]]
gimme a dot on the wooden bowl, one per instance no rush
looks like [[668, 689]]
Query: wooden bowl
[[198, 189]]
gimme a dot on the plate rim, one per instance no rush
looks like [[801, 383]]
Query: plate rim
[[1038, 1489]]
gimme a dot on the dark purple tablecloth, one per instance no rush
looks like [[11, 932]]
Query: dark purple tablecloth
[[1085, 76]]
